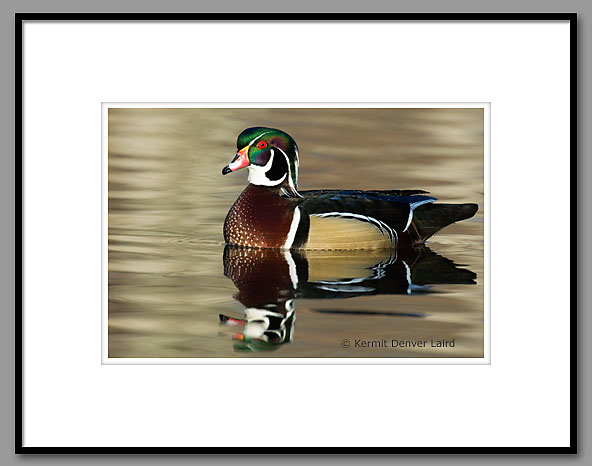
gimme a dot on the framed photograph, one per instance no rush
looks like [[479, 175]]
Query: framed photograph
[[329, 212], [355, 256]]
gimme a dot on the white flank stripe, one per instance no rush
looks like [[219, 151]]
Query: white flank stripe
[[408, 270], [409, 219], [292, 268], [293, 227], [346, 289], [415, 205]]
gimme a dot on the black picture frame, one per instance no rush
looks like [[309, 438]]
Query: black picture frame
[[20, 18]]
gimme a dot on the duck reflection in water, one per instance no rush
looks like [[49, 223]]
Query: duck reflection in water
[[270, 280]]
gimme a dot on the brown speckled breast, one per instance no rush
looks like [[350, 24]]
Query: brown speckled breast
[[260, 217]]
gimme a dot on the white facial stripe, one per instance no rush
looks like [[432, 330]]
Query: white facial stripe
[[257, 174], [296, 163], [294, 192], [260, 136], [293, 228], [290, 181]]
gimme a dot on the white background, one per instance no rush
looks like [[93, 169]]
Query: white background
[[521, 399]]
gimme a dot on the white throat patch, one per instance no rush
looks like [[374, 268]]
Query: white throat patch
[[257, 174]]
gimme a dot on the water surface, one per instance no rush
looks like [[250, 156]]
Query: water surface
[[167, 260]]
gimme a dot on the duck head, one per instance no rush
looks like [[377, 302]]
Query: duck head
[[271, 156]]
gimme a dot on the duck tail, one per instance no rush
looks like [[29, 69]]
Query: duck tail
[[431, 218]]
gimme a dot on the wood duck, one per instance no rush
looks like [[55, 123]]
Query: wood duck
[[272, 213]]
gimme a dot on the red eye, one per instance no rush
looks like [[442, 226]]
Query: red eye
[[261, 145]]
